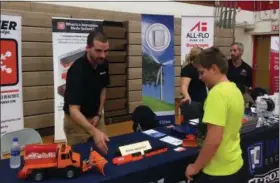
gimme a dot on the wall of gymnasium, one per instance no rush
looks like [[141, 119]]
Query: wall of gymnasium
[[250, 24], [38, 68], [176, 9]]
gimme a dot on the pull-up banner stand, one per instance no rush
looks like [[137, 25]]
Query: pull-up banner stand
[[69, 39], [158, 66], [11, 75]]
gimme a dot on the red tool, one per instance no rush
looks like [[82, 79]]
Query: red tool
[[156, 151], [127, 158]]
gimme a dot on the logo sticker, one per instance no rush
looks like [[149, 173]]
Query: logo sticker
[[255, 156], [200, 27], [243, 72], [9, 62]]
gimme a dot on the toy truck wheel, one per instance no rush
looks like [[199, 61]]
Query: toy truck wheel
[[70, 173], [38, 176]]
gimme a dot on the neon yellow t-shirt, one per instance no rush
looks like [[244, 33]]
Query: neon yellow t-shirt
[[224, 106]]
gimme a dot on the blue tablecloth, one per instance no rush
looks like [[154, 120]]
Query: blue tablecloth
[[170, 164]]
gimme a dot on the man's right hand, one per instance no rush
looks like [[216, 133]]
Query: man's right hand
[[100, 140]]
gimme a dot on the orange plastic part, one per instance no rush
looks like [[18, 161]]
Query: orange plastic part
[[190, 141], [156, 152], [98, 161]]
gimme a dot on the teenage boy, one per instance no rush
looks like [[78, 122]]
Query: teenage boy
[[220, 159]]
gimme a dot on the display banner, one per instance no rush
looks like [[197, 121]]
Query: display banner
[[11, 74], [158, 66], [196, 31], [274, 64], [69, 43], [261, 155]]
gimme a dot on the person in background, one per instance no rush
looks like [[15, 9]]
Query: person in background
[[85, 94], [192, 88], [239, 71], [220, 158]]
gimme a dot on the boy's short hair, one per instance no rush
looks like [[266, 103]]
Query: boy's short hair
[[212, 56]]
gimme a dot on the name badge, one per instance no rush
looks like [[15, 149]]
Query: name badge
[[135, 148]]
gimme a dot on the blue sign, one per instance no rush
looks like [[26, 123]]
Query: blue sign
[[158, 66]]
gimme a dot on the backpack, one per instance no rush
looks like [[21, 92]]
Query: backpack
[[144, 119]]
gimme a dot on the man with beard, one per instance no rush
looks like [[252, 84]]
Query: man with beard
[[239, 72], [85, 94]]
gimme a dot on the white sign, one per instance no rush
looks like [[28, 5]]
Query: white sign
[[172, 140], [271, 176], [196, 32], [11, 75], [69, 43], [135, 148]]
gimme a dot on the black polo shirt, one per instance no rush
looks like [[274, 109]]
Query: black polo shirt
[[197, 89], [84, 85], [241, 76]]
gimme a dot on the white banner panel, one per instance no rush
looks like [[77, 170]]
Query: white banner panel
[[69, 39], [11, 75], [196, 31]]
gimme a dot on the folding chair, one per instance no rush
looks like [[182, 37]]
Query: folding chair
[[25, 136]]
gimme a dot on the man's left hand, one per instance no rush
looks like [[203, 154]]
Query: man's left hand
[[95, 120], [191, 170]]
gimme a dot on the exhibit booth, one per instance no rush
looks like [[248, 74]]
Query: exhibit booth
[[40, 42]]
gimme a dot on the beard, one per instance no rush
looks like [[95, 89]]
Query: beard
[[97, 60], [233, 57]]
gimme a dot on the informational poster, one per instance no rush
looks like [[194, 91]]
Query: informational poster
[[274, 64], [69, 43], [158, 66], [196, 31], [11, 77]]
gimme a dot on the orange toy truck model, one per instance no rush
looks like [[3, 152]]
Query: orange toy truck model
[[57, 158]]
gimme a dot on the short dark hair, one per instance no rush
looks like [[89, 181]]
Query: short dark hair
[[211, 56], [99, 36]]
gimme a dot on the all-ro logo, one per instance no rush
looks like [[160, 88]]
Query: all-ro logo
[[255, 156], [198, 32], [200, 27]]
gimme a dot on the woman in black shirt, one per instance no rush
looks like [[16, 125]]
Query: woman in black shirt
[[192, 88]]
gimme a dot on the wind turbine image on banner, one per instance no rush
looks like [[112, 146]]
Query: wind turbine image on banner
[[160, 70], [159, 74]]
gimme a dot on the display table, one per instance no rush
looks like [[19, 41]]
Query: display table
[[148, 169], [171, 164]]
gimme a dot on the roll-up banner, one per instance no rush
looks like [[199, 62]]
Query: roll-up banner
[[158, 66], [69, 43], [11, 74]]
